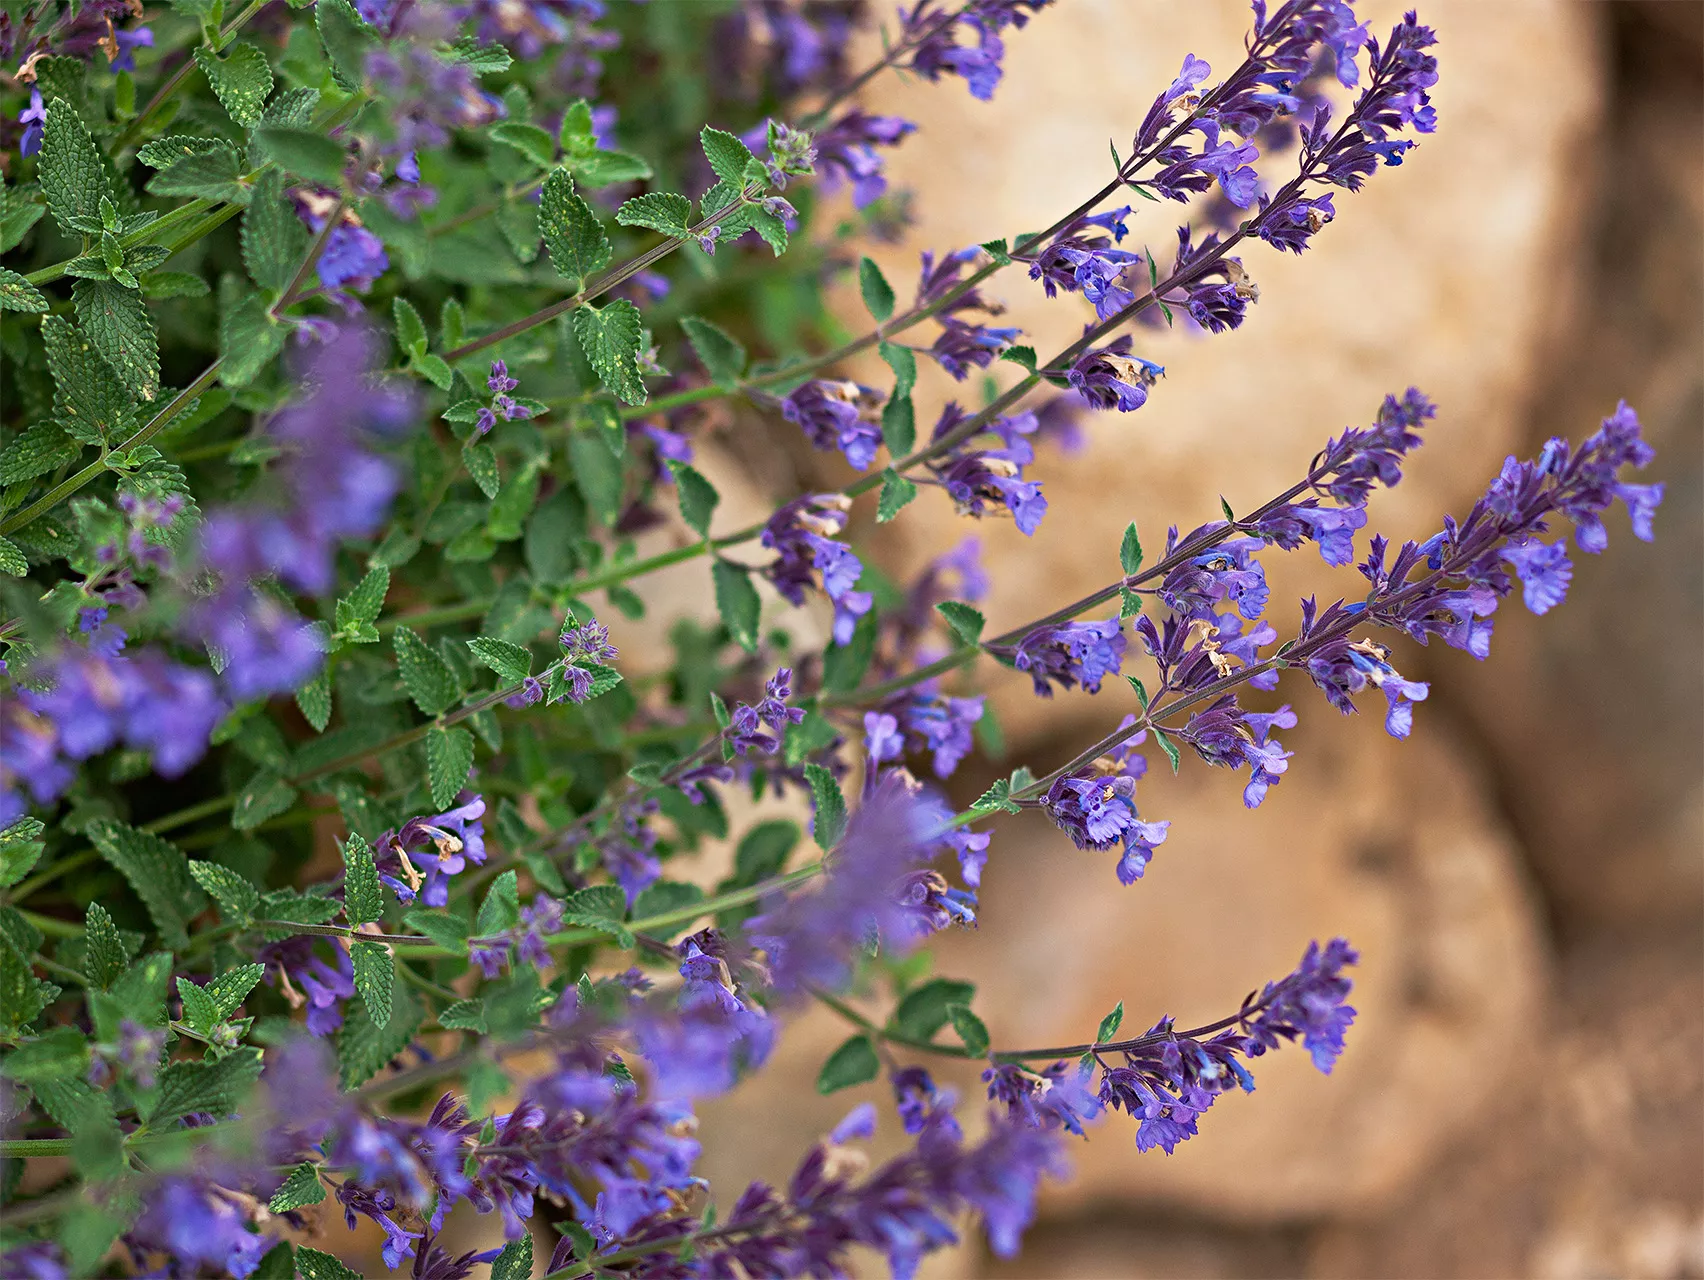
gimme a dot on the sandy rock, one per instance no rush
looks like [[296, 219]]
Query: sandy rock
[[1442, 274]]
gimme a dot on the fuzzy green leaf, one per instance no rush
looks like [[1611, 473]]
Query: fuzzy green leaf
[[237, 898], [314, 699], [737, 603], [1110, 1024], [829, 807], [12, 561], [854, 1062], [217, 1088], [375, 978], [301, 1188], [970, 1028], [117, 324], [429, 682], [601, 168], [104, 956], [73, 180], [515, 1262], [158, 872], [449, 757], [501, 909], [511, 662], [1168, 746], [1130, 550], [530, 140], [899, 425], [274, 239], [877, 292], [463, 1015], [41, 447], [597, 475], [363, 899], [346, 39], [266, 795], [213, 174], [311, 1264], [897, 491], [965, 621], [89, 399], [248, 339], [241, 80], [301, 151], [231, 988], [612, 338], [18, 294], [572, 232], [363, 1047], [924, 1011], [722, 356], [659, 210], [698, 497], [728, 156]]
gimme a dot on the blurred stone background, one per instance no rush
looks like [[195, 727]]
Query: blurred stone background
[[1524, 1089]]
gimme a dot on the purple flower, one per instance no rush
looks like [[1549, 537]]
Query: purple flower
[[1110, 378], [1545, 572], [296, 968], [419, 859], [837, 415], [1098, 811], [961, 346], [1070, 654], [1225, 734], [1058, 1097], [846, 152], [196, 1224], [801, 534], [34, 119]]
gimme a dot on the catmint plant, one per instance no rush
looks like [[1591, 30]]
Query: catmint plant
[[349, 872]]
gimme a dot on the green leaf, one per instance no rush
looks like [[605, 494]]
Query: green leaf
[[903, 362], [1230, 517], [698, 497], [719, 352], [463, 1015], [40, 448], [828, 805], [970, 1028], [854, 1062], [266, 795], [666, 897], [363, 1048], [12, 561], [612, 338], [1168, 746], [89, 399], [248, 339], [1110, 1024], [1022, 356], [878, 293], [511, 662], [484, 59], [923, 1012], [158, 872], [728, 156], [737, 603], [501, 909], [965, 621], [241, 80], [163, 153], [217, 1088], [228, 991], [763, 851], [60, 1054], [198, 1011], [237, 898], [899, 425], [301, 1188], [274, 239], [480, 459], [410, 328], [18, 294], [104, 956], [73, 180], [346, 40], [516, 1260], [1129, 603], [597, 476], [314, 699], [1130, 551], [301, 151], [659, 210], [572, 233], [311, 1264], [212, 175], [531, 141], [998, 250], [601, 168], [446, 930], [897, 492], [375, 978], [428, 680], [449, 757], [22, 995], [363, 898]]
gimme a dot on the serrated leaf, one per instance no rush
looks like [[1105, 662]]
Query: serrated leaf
[[73, 180], [899, 426], [346, 40], [198, 1011], [40, 448], [480, 459], [698, 497], [1130, 550], [363, 1048], [303, 1187], [572, 232], [274, 239], [659, 210], [117, 324], [854, 1062], [722, 356], [104, 956], [248, 340], [231, 988], [23, 996], [217, 1088], [737, 603], [236, 897], [970, 1028], [18, 294], [481, 59], [966, 622], [612, 338], [1021, 356], [602, 168], [212, 175], [449, 757], [364, 603], [266, 795], [876, 291], [530, 140], [163, 153], [728, 156], [311, 1264], [375, 978], [501, 909], [997, 797], [597, 476], [516, 1260], [314, 699], [89, 400], [463, 1015], [363, 898], [446, 930], [429, 682], [241, 80], [60, 1054], [301, 151], [924, 1011], [828, 806], [12, 561], [158, 872], [897, 491], [1110, 1024], [511, 662], [1168, 746]]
